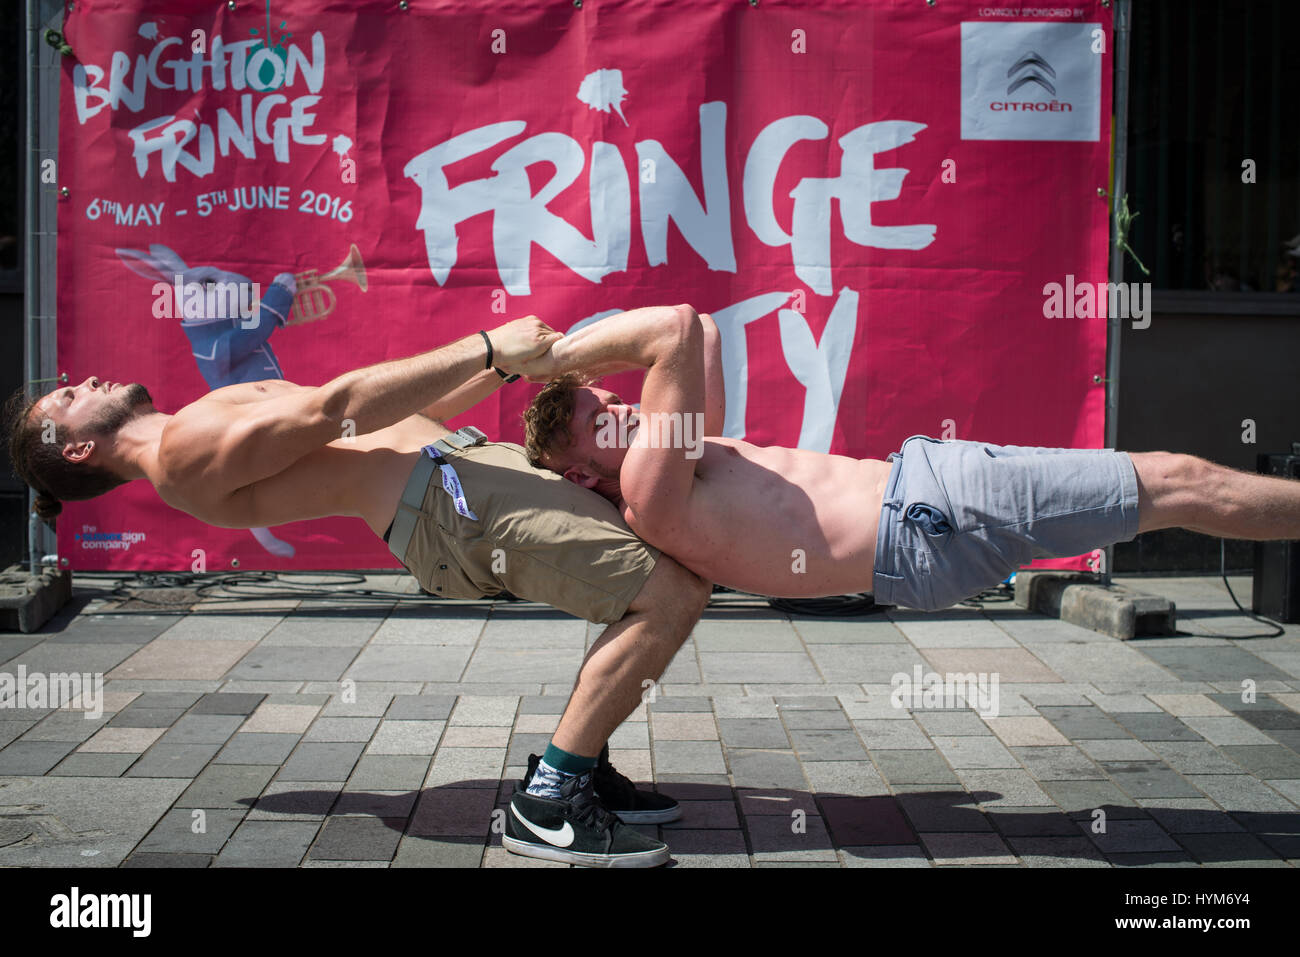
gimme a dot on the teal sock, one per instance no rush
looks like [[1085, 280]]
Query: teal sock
[[565, 762]]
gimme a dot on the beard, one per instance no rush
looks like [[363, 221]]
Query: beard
[[113, 417]]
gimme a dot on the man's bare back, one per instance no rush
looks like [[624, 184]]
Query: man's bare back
[[777, 521], [768, 520]]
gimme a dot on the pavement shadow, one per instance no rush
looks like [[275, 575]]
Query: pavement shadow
[[785, 826]]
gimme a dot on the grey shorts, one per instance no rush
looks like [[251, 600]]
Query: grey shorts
[[959, 517]]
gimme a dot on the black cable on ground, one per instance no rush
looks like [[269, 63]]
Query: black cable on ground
[[990, 596], [836, 606], [1223, 573], [232, 587]]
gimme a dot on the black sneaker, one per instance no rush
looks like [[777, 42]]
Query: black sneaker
[[631, 804], [618, 794], [576, 829]]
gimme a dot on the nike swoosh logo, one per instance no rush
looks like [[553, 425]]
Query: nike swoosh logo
[[559, 836]]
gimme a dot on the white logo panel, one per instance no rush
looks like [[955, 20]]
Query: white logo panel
[[1030, 81]]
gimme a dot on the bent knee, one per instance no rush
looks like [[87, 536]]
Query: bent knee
[[673, 590]]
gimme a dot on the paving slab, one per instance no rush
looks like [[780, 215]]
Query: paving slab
[[82, 765], [192, 831], [683, 726], [745, 666], [1148, 779], [182, 660], [708, 848], [415, 851], [406, 737], [971, 849], [309, 663], [227, 703], [227, 785], [33, 757], [267, 844], [81, 822], [914, 767], [174, 760], [263, 748], [385, 772], [420, 707], [689, 757], [321, 761], [202, 729], [1004, 787], [357, 839], [1014, 822], [375, 803], [295, 801]]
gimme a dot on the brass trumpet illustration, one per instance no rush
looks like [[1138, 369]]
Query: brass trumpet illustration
[[314, 299]]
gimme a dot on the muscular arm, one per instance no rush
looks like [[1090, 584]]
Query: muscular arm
[[635, 340], [630, 340], [464, 397], [668, 341], [227, 450], [715, 391], [658, 474]]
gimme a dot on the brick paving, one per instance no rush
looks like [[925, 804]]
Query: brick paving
[[311, 733]]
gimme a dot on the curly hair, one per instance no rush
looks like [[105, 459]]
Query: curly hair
[[546, 420], [36, 452]]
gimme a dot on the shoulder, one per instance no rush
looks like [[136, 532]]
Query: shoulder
[[194, 427]]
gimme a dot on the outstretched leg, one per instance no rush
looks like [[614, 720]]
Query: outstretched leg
[[1184, 491]]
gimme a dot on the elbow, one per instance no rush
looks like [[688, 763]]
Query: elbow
[[331, 403], [684, 329], [656, 525], [710, 335], [686, 320]]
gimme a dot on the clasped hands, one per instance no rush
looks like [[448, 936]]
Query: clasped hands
[[523, 346]]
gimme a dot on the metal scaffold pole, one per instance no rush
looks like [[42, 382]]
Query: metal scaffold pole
[[31, 292], [40, 122], [1120, 150]]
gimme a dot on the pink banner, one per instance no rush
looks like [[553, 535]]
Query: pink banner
[[872, 200]]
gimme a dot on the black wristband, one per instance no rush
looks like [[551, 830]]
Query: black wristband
[[489, 345], [507, 376]]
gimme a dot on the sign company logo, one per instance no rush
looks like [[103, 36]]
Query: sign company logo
[[91, 538]]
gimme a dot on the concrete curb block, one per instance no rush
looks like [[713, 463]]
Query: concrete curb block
[[1081, 599], [27, 602]]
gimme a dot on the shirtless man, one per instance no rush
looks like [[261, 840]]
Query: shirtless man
[[937, 522], [371, 444]]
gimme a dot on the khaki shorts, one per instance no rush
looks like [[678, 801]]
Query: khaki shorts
[[538, 536]]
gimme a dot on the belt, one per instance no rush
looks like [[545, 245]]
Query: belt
[[408, 510]]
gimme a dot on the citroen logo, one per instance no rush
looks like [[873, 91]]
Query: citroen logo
[[1036, 67]]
